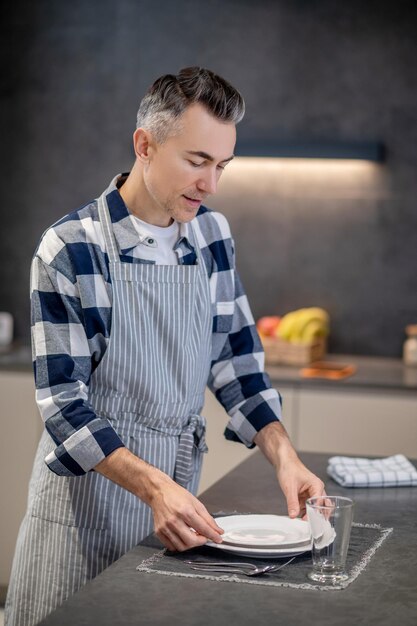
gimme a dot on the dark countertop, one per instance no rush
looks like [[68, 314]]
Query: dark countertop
[[379, 373], [383, 594], [372, 372]]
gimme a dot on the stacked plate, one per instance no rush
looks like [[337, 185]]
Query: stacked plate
[[263, 536]]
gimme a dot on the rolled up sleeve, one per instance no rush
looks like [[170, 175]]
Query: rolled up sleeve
[[237, 376], [62, 363]]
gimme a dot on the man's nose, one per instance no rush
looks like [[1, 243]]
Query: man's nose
[[208, 182]]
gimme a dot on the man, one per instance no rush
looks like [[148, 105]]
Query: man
[[136, 307]]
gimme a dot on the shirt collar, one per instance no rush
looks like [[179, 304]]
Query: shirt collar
[[126, 235]]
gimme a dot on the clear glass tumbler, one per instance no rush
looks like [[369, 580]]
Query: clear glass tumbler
[[330, 519]]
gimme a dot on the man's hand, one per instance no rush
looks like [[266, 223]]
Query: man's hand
[[296, 481], [181, 520], [298, 484]]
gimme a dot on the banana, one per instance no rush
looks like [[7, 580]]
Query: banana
[[302, 325], [285, 328], [305, 318], [316, 311], [302, 318], [314, 328]]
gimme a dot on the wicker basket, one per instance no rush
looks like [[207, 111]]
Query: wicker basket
[[280, 351]]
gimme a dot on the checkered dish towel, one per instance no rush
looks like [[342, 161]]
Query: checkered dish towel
[[394, 471]]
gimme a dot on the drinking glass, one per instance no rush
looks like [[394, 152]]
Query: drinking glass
[[330, 519]]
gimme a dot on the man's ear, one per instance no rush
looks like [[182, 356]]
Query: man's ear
[[141, 143]]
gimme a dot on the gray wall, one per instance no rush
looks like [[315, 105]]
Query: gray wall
[[73, 74]]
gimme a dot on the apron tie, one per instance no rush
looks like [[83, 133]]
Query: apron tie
[[193, 434]]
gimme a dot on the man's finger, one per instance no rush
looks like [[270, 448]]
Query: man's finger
[[202, 511], [174, 538], [180, 537], [317, 490], [166, 542], [292, 503], [189, 537], [205, 528], [208, 519]]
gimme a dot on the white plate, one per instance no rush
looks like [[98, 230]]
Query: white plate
[[255, 553], [266, 532]]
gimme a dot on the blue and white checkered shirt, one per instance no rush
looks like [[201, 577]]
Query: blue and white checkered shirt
[[71, 306]]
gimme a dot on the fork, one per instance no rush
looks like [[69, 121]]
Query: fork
[[236, 568]]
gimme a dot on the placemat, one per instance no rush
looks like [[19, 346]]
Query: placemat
[[364, 542]]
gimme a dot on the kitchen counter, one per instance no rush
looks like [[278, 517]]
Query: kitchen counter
[[372, 372], [384, 593]]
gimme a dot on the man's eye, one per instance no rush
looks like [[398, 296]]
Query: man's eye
[[195, 164]]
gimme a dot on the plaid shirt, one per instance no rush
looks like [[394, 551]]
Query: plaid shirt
[[71, 306]]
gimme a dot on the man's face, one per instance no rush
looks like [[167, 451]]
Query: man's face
[[184, 170]]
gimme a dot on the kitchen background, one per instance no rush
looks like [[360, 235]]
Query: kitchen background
[[333, 234], [337, 234]]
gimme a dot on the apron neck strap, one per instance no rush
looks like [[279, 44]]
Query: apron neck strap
[[192, 238], [106, 225]]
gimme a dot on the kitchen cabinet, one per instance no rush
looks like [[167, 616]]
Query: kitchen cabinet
[[373, 412], [356, 422], [21, 426]]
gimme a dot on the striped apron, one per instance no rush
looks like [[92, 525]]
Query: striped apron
[[150, 385]]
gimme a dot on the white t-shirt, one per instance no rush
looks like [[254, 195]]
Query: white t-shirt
[[157, 242]]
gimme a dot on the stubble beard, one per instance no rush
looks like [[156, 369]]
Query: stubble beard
[[174, 206]]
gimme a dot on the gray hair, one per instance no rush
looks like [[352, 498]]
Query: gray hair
[[166, 100]]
